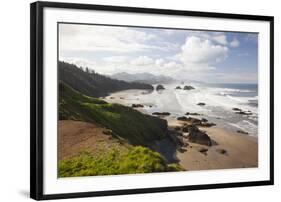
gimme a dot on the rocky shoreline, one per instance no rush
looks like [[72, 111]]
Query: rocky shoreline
[[197, 140]]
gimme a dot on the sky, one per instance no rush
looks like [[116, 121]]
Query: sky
[[206, 56]]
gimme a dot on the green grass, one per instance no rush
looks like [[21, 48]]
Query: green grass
[[125, 122], [136, 160]]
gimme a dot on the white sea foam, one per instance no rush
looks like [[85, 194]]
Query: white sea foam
[[219, 104]]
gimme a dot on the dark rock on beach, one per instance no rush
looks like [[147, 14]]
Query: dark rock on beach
[[201, 104], [242, 132], [203, 150], [193, 114], [196, 122], [236, 109], [204, 120], [160, 87], [207, 124], [177, 128], [221, 151], [161, 113], [137, 105], [244, 113], [188, 88], [178, 88], [198, 136], [241, 112], [182, 118], [189, 128]]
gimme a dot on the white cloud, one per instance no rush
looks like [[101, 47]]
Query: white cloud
[[215, 37], [196, 55], [103, 38], [142, 61], [200, 54], [234, 43], [80, 62], [115, 59], [221, 39], [140, 64], [122, 49], [159, 62]]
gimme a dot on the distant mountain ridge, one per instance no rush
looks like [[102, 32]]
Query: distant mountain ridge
[[93, 84], [142, 77]]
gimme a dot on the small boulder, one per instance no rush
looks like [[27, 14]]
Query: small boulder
[[177, 128], [182, 118], [221, 151], [161, 113], [204, 120], [236, 109], [160, 87], [244, 113], [207, 124], [203, 150], [188, 88], [199, 137], [242, 132], [201, 104], [194, 121], [137, 105], [193, 114], [178, 88], [189, 128]]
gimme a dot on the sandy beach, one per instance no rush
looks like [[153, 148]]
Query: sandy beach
[[241, 151], [229, 149]]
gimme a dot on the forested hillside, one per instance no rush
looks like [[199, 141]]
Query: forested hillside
[[93, 84]]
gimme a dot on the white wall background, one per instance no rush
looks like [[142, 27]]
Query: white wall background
[[14, 100]]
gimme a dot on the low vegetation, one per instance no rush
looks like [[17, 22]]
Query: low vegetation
[[137, 160], [125, 122], [78, 92]]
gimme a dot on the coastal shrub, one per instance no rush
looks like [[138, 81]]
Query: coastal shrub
[[137, 160], [137, 128]]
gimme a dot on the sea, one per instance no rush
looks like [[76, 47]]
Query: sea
[[219, 99]]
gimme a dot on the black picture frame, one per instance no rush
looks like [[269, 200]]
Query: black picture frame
[[36, 98]]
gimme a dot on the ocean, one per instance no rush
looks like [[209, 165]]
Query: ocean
[[219, 99]]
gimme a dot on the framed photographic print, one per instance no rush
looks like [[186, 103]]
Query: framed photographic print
[[136, 100]]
